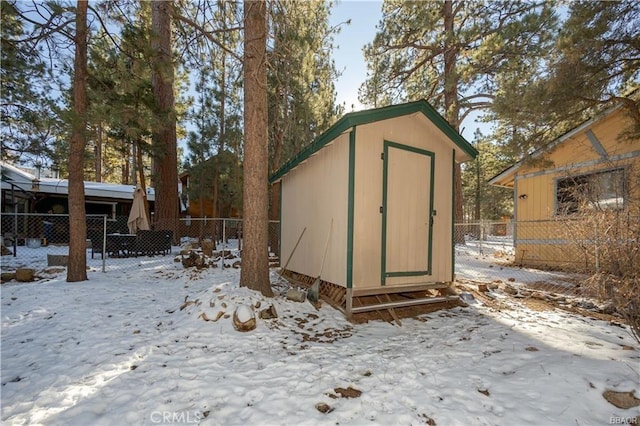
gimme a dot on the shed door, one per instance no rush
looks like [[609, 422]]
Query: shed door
[[407, 221]]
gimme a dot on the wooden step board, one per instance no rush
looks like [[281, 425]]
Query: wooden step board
[[399, 289], [402, 303]]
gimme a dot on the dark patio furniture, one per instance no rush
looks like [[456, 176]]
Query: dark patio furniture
[[97, 245], [151, 243], [121, 245]]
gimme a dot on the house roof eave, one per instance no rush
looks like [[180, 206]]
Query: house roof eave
[[499, 179], [25, 182]]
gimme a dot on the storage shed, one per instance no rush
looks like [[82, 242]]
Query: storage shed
[[368, 208]]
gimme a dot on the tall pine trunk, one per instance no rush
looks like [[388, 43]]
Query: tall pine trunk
[[77, 266], [255, 195], [165, 166], [451, 104]]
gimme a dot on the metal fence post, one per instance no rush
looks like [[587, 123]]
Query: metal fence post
[[15, 223], [224, 239], [104, 243]]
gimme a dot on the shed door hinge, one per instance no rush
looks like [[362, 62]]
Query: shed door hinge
[[382, 155]]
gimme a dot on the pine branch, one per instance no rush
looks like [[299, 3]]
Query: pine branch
[[208, 33]]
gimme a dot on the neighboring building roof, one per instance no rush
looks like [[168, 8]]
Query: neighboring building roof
[[25, 181], [369, 116], [506, 176]]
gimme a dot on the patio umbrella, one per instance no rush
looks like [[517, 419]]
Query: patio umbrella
[[138, 216]]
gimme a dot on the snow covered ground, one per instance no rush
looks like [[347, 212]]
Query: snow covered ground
[[117, 350], [484, 261]]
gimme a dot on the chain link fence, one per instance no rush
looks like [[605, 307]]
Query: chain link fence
[[39, 240], [553, 254], [553, 251]]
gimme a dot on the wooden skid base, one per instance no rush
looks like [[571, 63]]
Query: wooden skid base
[[351, 302], [402, 303]]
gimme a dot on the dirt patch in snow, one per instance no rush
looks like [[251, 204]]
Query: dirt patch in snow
[[349, 392], [539, 301]]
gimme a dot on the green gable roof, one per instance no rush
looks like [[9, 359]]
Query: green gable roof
[[369, 116]]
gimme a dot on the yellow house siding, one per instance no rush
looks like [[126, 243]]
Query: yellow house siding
[[608, 131], [561, 254], [535, 198], [540, 189], [574, 151], [574, 156], [552, 241]]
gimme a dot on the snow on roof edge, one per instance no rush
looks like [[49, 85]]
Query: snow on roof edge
[[24, 180]]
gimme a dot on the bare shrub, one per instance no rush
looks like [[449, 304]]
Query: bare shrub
[[623, 293], [629, 306], [602, 218]]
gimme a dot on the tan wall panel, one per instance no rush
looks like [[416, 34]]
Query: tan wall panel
[[312, 194], [367, 229], [408, 209], [414, 131]]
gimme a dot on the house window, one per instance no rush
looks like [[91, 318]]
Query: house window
[[595, 191]]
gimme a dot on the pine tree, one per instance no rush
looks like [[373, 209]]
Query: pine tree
[[201, 143], [484, 201], [300, 80], [77, 267], [255, 205], [165, 164], [449, 52], [216, 141], [121, 107], [28, 119], [593, 64], [598, 58]]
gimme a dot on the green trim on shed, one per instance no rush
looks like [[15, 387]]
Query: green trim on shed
[[453, 216], [353, 119], [351, 205], [383, 212], [385, 176]]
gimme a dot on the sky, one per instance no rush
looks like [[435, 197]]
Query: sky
[[348, 54], [349, 57]]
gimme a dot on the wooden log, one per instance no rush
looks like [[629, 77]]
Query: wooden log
[[57, 259], [393, 312], [244, 318]]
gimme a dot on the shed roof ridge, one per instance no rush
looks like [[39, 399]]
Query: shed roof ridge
[[357, 118]]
